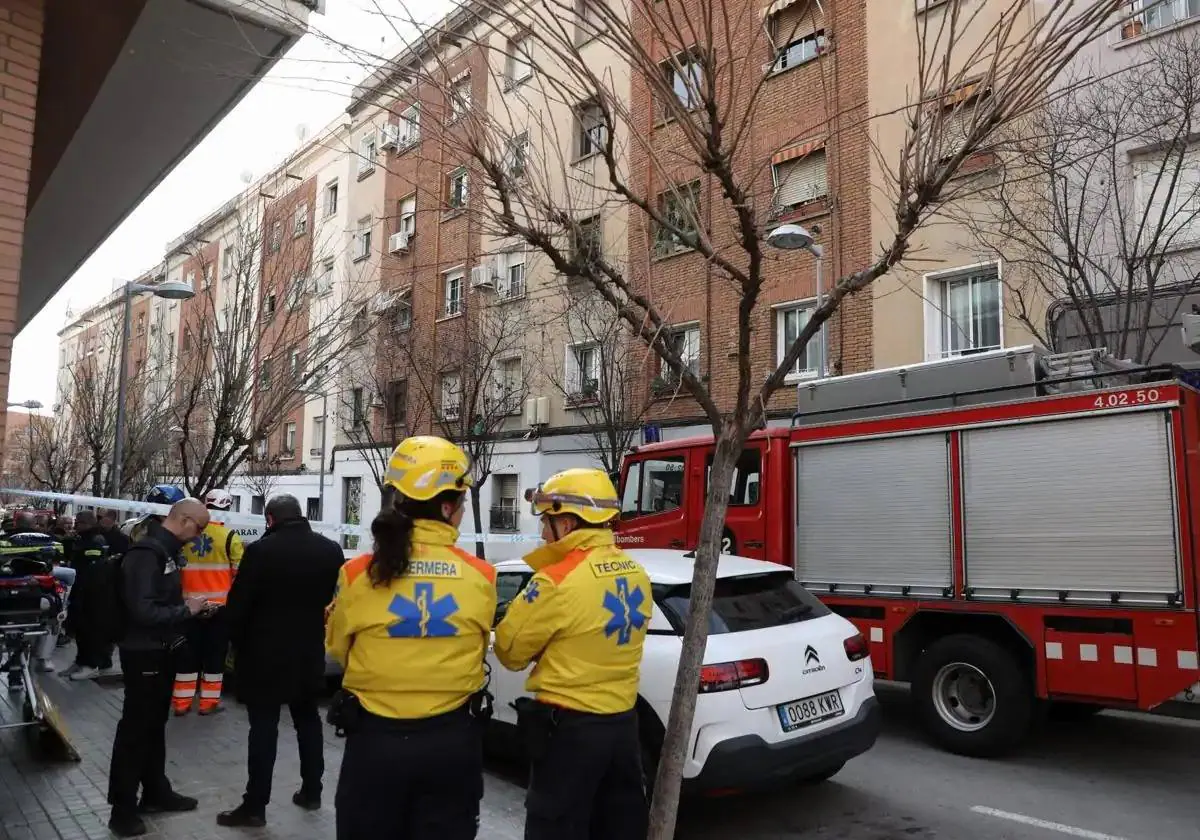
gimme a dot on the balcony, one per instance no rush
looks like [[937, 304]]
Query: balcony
[[504, 519]]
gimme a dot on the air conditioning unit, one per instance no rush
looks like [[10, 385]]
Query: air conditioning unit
[[537, 411], [1191, 331], [398, 242], [482, 276], [389, 136]]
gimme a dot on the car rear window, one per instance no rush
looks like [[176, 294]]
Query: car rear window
[[745, 602]]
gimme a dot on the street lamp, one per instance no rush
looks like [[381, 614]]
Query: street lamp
[[32, 405], [171, 290], [797, 238]]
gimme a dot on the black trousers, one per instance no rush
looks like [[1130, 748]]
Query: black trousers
[[207, 645], [411, 780], [264, 738], [588, 785], [89, 651], [139, 753]]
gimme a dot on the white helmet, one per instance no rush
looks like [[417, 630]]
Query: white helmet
[[219, 500]]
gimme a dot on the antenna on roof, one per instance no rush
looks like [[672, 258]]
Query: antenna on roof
[[247, 176], [301, 133]]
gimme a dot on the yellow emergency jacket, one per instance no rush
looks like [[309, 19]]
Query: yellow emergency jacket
[[414, 648], [583, 617], [212, 562]]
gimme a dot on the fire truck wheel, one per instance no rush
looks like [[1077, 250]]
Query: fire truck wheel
[[972, 696]]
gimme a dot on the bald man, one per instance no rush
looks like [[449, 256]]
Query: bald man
[[155, 614]]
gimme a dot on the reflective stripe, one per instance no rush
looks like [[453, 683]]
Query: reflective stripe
[[182, 678], [215, 679], [184, 694], [210, 695]]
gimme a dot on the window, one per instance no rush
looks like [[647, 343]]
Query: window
[[264, 376], [800, 180], [312, 509], [397, 406], [318, 436], [295, 294], [686, 344], [409, 126], [1167, 188], [508, 587], [588, 244], [367, 149], [331, 198], [141, 324], [519, 63], [300, 221], [237, 503], [451, 395], [652, 486], [683, 76], [358, 408], [452, 291], [1157, 15], [191, 279], [747, 602], [402, 314], [406, 215], [746, 484], [506, 508], [583, 371], [227, 263], [509, 385], [456, 189], [516, 154], [967, 312], [362, 239], [681, 208], [257, 503], [289, 439], [591, 131], [512, 275], [588, 20], [323, 282], [460, 99], [276, 237], [269, 305], [789, 321], [798, 32], [294, 363], [208, 274]]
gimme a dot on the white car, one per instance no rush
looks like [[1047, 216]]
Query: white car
[[786, 692]]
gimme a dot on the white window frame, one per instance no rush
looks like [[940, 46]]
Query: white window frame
[[362, 238], [508, 260], [451, 396], [686, 330], [576, 375], [368, 151], [460, 104], [406, 212], [518, 63], [688, 97], [227, 262], [403, 305], [276, 237], [455, 279], [300, 220], [323, 278], [780, 170], [289, 438], [516, 155], [409, 126], [591, 132], [295, 292], [812, 351], [332, 198], [934, 289], [464, 192]]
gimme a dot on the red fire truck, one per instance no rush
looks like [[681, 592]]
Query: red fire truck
[[1005, 529]]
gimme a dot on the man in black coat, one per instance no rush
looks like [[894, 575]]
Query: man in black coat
[[86, 610], [276, 620]]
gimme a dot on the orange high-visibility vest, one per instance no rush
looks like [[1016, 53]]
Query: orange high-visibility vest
[[212, 561]]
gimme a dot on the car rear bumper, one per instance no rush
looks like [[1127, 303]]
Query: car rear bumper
[[748, 761]]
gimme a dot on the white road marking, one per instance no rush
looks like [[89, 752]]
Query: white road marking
[[1061, 828]]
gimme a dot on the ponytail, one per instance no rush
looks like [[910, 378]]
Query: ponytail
[[392, 531]]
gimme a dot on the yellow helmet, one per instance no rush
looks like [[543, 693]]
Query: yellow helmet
[[587, 493], [421, 467]]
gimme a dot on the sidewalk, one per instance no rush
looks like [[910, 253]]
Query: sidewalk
[[206, 758]]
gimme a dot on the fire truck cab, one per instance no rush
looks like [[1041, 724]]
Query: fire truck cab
[[1012, 531]]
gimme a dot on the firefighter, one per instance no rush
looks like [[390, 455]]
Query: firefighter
[[582, 618], [410, 625], [210, 563]]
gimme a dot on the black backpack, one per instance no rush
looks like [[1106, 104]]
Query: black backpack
[[114, 620]]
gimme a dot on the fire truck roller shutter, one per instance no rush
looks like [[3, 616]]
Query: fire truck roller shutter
[[1084, 505], [893, 496]]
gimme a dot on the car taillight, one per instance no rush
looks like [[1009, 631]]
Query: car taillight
[[856, 647], [729, 675]]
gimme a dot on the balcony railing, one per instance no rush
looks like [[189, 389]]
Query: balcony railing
[[504, 519]]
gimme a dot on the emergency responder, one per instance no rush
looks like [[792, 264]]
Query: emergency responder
[[160, 494], [85, 609], [410, 626], [582, 618], [210, 563]]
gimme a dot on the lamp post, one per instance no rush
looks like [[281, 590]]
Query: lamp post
[[797, 238], [171, 290], [32, 405], [324, 395]]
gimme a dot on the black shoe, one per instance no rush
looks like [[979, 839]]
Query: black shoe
[[127, 825], [241, 817], [307, 801], [171, 803]]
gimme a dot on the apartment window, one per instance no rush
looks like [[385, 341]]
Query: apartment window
[[318, 436], [362, 239], [683, 75], [402, 314], [516, 154], [258, 503], [294, 363], [300, 221], [798, 32], [276, 237], [1168, 204], [509, 384], [140, 329], [456, 189], [289, 440], [397, 405], [323, 282], [269, 304], [800, 180], [406, 215], [295, 295], [264, 375], [588, 245], [208, 275], [367, 150], [511, 282], [680, 208], [358, 408], [789, 321], [331, 198], [967, 314], [227, 258], [519, 62], [1158, 15], [452, 292], [591, 131], [505, 514], [460, 99], [588, 20], [685, 341], [410, 126], [312, 509], [191, 279], [583, 371], [451, 395]]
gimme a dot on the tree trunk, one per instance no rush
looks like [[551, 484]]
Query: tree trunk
[[477, 516], [665, 807]]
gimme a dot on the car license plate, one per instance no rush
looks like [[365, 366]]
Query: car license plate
[[810, 710]]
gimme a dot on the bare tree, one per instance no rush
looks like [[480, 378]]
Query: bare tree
[[261, 473], [50, 454], [1101, 203]]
